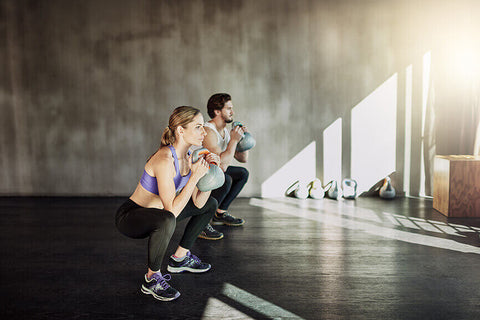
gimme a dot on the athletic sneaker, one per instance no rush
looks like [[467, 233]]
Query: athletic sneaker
[[227, 219], [210, 234], [189, 263], [158, 287]]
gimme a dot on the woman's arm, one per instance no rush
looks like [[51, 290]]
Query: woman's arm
[[165, 171], [200, 198]]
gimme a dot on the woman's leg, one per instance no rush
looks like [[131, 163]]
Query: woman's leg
[[183, 259], [200, 217], [138, 223]]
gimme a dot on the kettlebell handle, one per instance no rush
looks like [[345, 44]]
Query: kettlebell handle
[[203, 151], [238, 124]]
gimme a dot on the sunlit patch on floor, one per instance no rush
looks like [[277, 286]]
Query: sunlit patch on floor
[[217, 309], [344, 215]]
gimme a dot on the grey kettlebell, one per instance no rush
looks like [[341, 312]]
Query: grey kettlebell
[[331, 190], [297, 190], [214, 178], [247, 142], [349, 187], [387, 191]]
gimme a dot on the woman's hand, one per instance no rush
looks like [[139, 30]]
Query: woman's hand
[[199, 168], [213, 158]]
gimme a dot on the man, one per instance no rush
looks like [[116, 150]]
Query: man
[[223, 142]]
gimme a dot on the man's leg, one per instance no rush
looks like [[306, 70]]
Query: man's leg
[[238, 177], [209, 233], [220, 193]]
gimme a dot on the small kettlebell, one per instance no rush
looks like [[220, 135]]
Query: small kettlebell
[[315, 190], [247, 142], [331, 190], [387, 191], [297, 190], [349, 187], [214, 178]]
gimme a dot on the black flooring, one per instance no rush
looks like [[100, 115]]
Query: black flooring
[[62, 258]]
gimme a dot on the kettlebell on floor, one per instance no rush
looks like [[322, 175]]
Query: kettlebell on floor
[[331, 190], [387, 191], [315, 189], [297, 190], [247, 142], [349, 187], [214, 178]]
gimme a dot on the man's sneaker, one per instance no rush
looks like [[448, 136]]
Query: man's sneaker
[[158, 287], [190, 263], [210, 234], [227, 219]]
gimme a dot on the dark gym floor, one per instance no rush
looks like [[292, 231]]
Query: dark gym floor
[[368, 258]]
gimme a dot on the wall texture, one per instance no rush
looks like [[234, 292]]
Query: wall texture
[[86, 87]]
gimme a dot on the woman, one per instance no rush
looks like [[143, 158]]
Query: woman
[[166, 193]]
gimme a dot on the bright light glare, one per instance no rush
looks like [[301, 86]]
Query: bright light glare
[[343, 215], [301, 167], [465, 63], [332, 152], [257, 304], [374, 135]]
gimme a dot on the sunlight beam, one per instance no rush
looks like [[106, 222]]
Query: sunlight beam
[[257, 304], [216, 309], [301, 167], [374, 135], [330, 215], [332, 152]]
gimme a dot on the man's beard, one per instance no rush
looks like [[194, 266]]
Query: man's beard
[[227, 120]]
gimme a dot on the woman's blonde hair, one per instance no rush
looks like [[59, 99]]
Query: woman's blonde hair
[[181, 116]]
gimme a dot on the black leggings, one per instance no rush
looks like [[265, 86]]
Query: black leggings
[[138, 222], [235, 179]]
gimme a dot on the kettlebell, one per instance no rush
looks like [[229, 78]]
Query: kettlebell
[[214, 178], [387, 191], [315, 190], [349, 187], [331, 190], [247, 142], [297, 190]]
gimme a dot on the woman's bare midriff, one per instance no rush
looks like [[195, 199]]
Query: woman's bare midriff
[[146, 199]]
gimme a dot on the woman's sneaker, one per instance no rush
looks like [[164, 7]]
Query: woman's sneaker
[[189, 263], [227, 219], [158, 287], [210, 234]]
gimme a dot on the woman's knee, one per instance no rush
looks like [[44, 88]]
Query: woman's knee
[[166, 222], [210, 206]]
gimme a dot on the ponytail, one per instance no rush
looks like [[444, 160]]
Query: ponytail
[[168, 137]]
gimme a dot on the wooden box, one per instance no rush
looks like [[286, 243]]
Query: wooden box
[[456, 185]]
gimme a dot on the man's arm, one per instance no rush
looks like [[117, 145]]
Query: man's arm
[[211, 143], [241, 156]]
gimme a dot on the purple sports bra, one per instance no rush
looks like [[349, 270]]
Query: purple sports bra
[[149, 183]]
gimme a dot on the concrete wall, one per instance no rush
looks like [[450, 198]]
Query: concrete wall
[[86, 87]]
